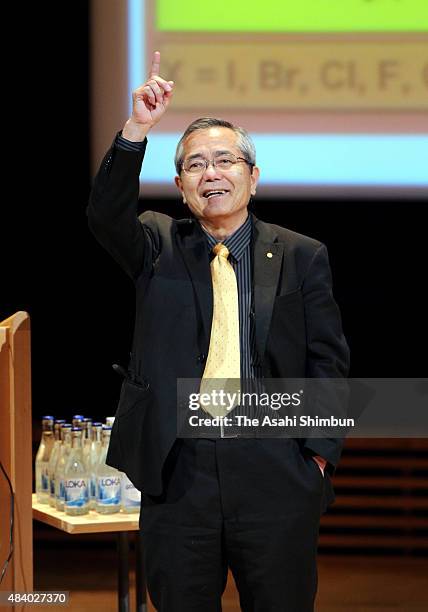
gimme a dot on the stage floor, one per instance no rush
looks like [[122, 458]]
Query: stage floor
[[346, 583]]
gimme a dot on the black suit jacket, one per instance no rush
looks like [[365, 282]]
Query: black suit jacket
[[298, 324]]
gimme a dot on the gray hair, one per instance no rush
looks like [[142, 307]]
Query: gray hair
[[245, 144]]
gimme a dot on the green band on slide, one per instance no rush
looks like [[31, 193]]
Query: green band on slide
[[293, 15]]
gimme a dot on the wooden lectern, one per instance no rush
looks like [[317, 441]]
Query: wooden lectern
[[16, 452]]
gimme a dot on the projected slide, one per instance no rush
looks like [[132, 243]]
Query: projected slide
[[239, 55], [334, 92]]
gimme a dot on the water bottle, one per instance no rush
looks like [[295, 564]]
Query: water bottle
[[86, 426], [94, 458], [108, 480], [131, 496], [76, 480], [42, 460], [54, 459], [77, 420], [64, 452]]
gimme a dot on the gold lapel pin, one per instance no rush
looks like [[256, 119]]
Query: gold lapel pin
[[269, 254]]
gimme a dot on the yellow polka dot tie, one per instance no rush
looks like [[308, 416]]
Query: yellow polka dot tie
[[223, 366]]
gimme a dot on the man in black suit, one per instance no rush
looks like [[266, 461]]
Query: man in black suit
[[208, 504]]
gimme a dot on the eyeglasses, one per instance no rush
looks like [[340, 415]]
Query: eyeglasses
[[198, 165]]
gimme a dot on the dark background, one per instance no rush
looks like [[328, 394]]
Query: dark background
[[82, 305]]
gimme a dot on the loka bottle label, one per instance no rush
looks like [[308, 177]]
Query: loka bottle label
[[108, 490], [130, 495], [76, 491], [45, 480], [61, 495]]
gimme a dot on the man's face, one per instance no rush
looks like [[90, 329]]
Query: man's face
[[236, 184]]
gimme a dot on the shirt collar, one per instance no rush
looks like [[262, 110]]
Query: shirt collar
[[236, 242]]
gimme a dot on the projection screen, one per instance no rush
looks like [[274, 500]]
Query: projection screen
[[335, 99]]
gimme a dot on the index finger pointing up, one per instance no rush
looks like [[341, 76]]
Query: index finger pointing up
[[154, 70]]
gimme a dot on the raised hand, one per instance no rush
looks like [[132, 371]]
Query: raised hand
[[149, 102]]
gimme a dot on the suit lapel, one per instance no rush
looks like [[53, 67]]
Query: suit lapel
[[194, 248], [267, 261]]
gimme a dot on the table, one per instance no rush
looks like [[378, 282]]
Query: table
[[122, 524]]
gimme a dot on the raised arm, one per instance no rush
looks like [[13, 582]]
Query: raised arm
[[149, 103], [113, 202]]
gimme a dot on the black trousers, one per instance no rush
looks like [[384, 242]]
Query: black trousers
[[252, 505]]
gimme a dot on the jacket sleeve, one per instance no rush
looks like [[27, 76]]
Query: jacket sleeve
[[328, 352], [112, 212]]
